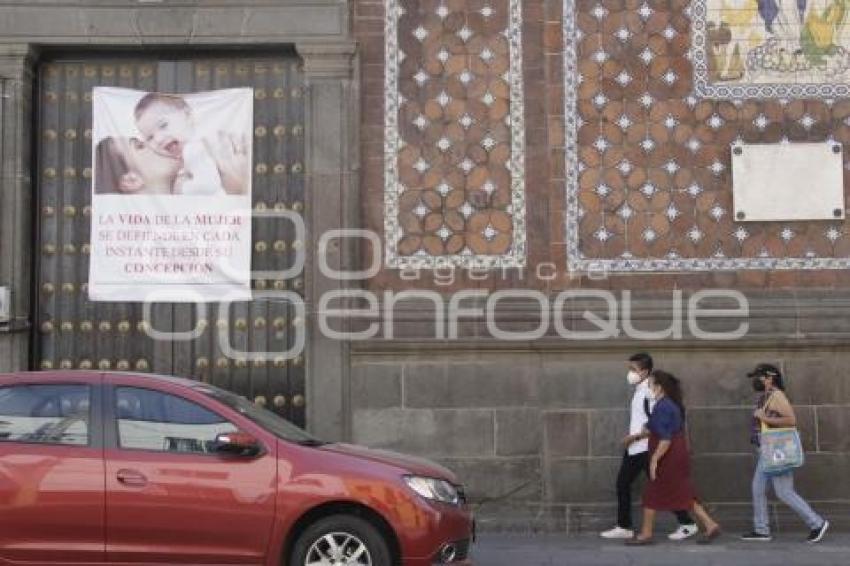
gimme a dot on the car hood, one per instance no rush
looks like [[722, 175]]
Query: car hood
[[411, 464]]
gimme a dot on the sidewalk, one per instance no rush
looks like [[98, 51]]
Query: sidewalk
[[590, 550]]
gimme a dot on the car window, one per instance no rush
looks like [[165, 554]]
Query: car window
[[278, 426], [153, 420], [50, 414]]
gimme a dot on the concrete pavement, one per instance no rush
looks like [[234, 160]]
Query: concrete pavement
[[589, 550]]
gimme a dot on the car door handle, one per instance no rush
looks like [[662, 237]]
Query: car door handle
[[131, 478]]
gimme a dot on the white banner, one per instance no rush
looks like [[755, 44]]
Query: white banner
[[171, 196]]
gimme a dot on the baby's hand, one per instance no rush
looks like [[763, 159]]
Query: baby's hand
[[182, 178], [233, 160]]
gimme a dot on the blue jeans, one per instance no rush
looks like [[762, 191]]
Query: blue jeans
[[783, 486]]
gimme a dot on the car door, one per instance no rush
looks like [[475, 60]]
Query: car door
[[170, 497], [51, 469]]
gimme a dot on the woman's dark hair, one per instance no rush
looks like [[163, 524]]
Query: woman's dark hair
[[671, 386], [643, 361], [110, 167]]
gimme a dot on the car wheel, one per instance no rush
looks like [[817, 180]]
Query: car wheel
[[341, 540]]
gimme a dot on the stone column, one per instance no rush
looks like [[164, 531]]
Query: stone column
[[332, 115], [16, 201]]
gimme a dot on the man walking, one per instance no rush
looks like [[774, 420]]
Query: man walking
[[636, 456]]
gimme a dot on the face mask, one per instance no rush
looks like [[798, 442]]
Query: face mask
[[758, 385], [634, 377]]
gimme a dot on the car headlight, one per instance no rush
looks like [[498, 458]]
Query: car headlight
[[433, 489]]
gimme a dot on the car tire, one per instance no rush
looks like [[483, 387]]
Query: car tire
[[363, 539]]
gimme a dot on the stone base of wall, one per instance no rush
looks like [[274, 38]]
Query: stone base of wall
[[734, 518], [535, 431]]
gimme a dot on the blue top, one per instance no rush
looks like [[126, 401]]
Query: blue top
[[666, 419]]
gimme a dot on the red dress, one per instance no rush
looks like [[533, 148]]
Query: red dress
[[672, 489]]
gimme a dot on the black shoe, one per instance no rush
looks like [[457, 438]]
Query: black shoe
[[754, 536], [817, 534]]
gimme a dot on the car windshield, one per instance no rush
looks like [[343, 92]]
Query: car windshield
[[278, 426]]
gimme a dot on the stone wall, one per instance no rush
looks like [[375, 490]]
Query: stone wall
[[535, 433]]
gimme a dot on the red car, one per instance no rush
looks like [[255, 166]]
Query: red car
[[111, 468]]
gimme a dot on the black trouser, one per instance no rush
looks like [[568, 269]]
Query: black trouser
[[630, 469]]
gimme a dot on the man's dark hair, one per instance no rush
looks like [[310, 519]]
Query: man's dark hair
[[643, 361]]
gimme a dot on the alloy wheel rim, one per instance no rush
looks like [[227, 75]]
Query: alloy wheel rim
[[338, 549]]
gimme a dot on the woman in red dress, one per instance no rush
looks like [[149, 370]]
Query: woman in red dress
[[670, 486]]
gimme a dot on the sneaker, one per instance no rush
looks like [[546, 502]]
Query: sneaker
[[683, 532], [618, 533], [754, 536], [817, 534]]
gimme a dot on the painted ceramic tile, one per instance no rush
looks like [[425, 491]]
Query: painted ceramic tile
[[763, 48], [648, 163]]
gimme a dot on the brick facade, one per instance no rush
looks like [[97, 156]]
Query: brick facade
[[645, 162], [621, 145]]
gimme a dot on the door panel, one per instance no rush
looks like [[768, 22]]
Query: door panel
[[52, 500], [184, 508], [51, 503], [75, 333], [172, 499]]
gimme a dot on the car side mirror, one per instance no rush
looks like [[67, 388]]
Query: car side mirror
[[237, 444]]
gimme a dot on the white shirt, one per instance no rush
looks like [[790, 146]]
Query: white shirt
[[638, 418], [204, 179]]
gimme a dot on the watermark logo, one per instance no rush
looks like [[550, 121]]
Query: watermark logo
[[522, 313]]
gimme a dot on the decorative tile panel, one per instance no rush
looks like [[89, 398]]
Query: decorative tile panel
[[454, 134], [771, 48], [648, 162]]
